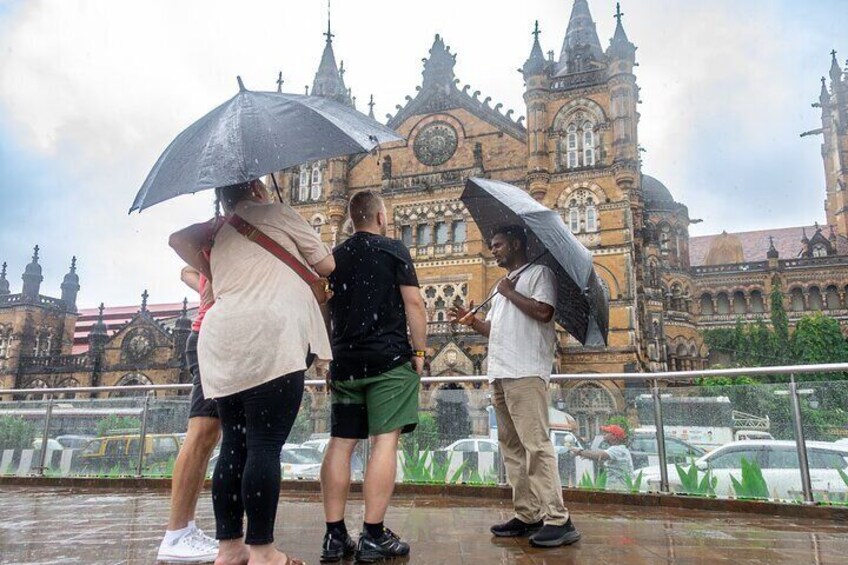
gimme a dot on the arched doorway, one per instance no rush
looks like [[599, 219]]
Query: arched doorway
[[591, 405]]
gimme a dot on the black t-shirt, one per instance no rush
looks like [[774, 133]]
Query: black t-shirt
[[368, 317]]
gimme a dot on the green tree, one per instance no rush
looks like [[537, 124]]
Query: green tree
[[452, 419], [117, 424], [16, 433], [779, 318], [818, 339], [425, 437]]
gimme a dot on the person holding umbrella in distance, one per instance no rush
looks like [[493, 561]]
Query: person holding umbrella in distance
[[520, 328]]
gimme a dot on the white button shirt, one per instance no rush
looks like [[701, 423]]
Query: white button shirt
[[520, 346]]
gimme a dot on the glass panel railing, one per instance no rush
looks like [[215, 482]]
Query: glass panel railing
[[824, 416], [21, 432]]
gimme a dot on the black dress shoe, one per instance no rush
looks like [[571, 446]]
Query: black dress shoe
[[555, 536], [336, 547], [515, 528], [386, 546]]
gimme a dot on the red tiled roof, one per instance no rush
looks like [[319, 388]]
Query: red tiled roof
[[755, 244], [116, 317]]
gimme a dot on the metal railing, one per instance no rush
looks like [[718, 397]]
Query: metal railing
[[654, 379]]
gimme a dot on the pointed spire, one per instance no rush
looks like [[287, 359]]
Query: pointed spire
[[772, 250], [32, 277], [329, 81], [4, 283], [371, 107], [183, 323], [581, 45], [70, 287], [144, 297], [804, 238], [535, 63], [620, 45], [280, 82], [832, 236], [824, 95], [835, 70], [99, 334]]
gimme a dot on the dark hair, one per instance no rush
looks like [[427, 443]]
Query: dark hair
[[513, 233], [364, 206], [231, 195]]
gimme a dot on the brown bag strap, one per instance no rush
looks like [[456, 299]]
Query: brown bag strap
[[259, 237]]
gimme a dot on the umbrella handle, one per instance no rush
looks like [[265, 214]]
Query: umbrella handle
[[277, 188], [476, 309]]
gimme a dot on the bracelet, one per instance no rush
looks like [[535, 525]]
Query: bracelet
[[419, 353]]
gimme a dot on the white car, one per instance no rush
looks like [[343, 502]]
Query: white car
[[483, 445], [296, 462], [778, 461]]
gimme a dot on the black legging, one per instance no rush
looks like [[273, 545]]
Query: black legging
[[255, 425]]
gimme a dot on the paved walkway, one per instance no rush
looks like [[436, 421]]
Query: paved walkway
[[41, 526]]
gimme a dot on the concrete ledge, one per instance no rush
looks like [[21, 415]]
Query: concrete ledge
[[815, 511]]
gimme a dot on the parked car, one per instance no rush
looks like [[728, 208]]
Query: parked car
[[778, 461], [644, 452], [479, 445], [70, 441], [52, 445], [296, 462], [121, 452]]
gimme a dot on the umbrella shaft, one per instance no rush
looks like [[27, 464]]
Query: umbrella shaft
[[518, 274]]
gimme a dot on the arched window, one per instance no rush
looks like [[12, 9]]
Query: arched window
[[831, 298], [441, 233], [757, 304], [5, 341], [665, 238], [591, 405], [819, 250], [36, 384], [739, 306], [43, 344], [303, 185], [815, 298], [591, 217], [588, 145], [406, 235], [315, 191], [131, 379], [571, 146], [317, 222], [796, 300], [459, 231], [424, 235], [722, 304], [706, 305], [574, 217]]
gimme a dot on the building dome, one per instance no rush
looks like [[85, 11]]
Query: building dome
[[725, 249], [655, 191]]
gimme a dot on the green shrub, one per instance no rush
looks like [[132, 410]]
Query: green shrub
[[752, 485], [16, 433], [691, 483], [113, 423]]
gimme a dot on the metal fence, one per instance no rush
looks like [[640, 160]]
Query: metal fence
[[650, 389]]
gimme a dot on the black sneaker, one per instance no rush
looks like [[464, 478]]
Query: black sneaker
[[387, 546], [555, 536], [335, 548], [515, 528]]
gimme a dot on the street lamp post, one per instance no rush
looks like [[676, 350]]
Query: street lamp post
[[800, 443]]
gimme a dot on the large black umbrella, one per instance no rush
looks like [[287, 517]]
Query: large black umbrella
[[582, 306], [255, 134]]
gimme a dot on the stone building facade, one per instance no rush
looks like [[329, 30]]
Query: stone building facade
[[577, 153]]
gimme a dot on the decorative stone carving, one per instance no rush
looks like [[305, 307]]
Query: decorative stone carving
[[138, 345], [435, 143]]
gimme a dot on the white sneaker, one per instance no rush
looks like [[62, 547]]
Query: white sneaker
[[194, 547]]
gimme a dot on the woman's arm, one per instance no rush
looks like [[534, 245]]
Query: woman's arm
[[192, 242]]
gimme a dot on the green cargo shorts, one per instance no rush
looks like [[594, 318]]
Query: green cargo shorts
[[375, 405]]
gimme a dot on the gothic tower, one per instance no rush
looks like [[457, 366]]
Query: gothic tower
[[583, 162], [834, 130]]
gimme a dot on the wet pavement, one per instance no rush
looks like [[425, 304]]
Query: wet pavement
[[44, 525]]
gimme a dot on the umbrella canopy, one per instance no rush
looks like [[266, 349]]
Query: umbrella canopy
[[255, 134], [582, 305]]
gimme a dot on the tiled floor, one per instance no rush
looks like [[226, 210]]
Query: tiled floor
[[60, 526]]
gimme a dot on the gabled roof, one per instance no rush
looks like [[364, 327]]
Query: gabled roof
[[439, 93]]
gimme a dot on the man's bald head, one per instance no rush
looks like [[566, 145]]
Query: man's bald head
[[364, 210]]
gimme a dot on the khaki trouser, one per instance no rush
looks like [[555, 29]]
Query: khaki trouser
[[521, 408]]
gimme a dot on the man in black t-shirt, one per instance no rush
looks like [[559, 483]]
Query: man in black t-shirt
[[374, 376]]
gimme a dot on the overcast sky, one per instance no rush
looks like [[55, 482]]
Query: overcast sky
[[91, 92]]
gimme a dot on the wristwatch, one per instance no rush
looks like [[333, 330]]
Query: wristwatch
[[419, 353]]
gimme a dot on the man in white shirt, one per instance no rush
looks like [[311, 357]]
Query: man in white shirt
[[520, 328]]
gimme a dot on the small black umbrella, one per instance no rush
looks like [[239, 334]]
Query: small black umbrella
[[255, 134], [582, 305]]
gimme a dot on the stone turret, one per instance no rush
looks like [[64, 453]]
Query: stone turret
[[32, 279], [71, 287], [537, 84], [4, 283], [329, 79], [99, 335], [581, 48]]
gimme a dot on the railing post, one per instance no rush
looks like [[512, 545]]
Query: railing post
[[42, 457], [658, 424], [143, 434], [800, 442]]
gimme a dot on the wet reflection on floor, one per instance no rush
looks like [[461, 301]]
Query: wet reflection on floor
[[93, 527]]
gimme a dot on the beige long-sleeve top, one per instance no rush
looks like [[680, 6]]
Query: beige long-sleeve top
[[265, 318]]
